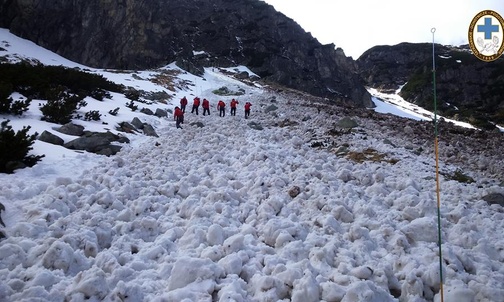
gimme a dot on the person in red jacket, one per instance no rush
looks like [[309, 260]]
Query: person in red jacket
[[247, 109], [178, 116], [233, 106], [206, 106], [196, 104], [221, 106], [183, 104]]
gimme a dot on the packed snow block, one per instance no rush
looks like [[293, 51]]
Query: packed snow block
[[5, 290], [234, 244], [214, 253], [283, 238], [332, 291], [345, 175], [200, 290], [362, 272], [107, 261], [85, 240], [366, 291], [127, 292], [235, 290], [268, 288], [215, 235], [187, 206], [232, 264], [45, 279], [194, 236], [412, 287], [270, 207], [456, 294], [188, 270], [422, 229], [342, 214], [11, 255], [89, 284], [153, 252], [60, 255], [306, 289], [274, 228], [146, 227]]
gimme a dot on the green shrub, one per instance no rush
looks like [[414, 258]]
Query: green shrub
[[132, 94], [7, 104], [459, 176], [61, 106], [14, 148], [114, 112], [131, 105], [100, 94], [35, 81], [93, 115]]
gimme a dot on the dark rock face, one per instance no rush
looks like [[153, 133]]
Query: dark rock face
[[467, 88], [129, 34]]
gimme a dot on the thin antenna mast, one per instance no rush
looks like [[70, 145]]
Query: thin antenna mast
[[433, 30]]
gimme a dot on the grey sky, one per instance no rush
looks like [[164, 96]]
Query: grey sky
[[359, 25]]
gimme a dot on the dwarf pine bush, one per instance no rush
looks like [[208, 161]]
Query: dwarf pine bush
[[7, 104], [61, 106], [14, 148]]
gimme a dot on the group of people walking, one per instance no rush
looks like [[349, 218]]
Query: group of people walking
[[205, 104]]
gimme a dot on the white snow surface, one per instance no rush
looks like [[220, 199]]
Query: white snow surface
[[204, 214]]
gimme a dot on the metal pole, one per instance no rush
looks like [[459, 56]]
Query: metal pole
[[433, 30]]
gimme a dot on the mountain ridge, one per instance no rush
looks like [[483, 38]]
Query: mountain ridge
[[195, 34], [467, 88]]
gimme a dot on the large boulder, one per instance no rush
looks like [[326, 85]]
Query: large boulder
[[97, 142], [50, 138], [494, 198], [71, 129]]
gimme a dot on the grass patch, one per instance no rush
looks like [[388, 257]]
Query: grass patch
[[224, 91], [371, 155], [459, 176], [168, 79]]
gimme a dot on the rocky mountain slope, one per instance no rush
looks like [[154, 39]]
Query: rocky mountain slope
[[305, 201], [145, 34], [467, 88]]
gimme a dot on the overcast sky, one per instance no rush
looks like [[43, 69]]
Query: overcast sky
[[357, 25]]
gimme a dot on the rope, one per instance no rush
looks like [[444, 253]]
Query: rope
[[433, 30]]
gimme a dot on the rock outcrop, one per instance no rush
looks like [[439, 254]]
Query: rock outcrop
[[129, 34], [467, 89]]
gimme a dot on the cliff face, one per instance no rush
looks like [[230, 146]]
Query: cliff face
[[134, 34], [467, 89]]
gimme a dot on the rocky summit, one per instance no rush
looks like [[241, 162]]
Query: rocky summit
[[467, 89], [127, 34]]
